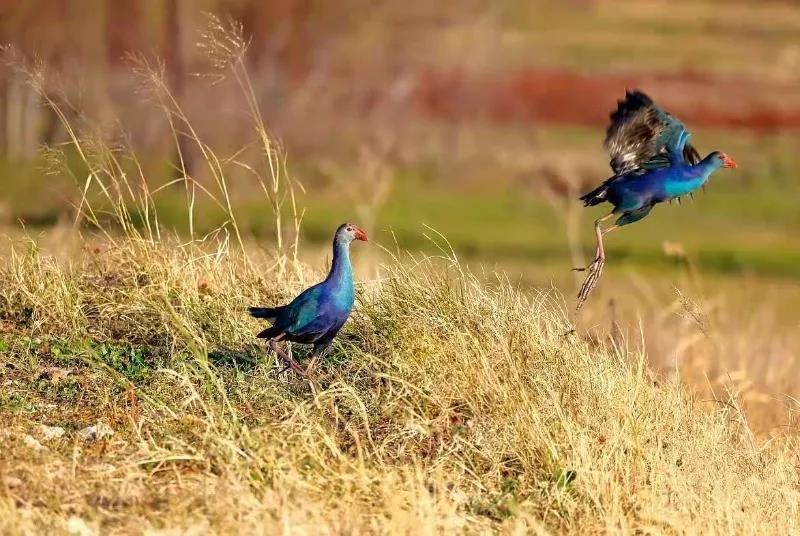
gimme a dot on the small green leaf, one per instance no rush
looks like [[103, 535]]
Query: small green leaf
[[563, 478]]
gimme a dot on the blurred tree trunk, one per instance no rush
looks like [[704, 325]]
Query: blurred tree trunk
[[282, 27], [123, 29], [13, 115], [40, 28], [21, 119], [174, 57], [4, 78], [88, 26]]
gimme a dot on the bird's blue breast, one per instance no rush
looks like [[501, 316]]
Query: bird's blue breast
[[342, 298], [683, 184]]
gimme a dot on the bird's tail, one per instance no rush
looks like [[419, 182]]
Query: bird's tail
[[596, 196], [269, 333], [267, 313]]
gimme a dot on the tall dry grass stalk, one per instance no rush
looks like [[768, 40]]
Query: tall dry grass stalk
[[115, 194]]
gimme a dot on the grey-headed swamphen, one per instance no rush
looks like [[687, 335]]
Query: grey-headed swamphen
[[652, 163], [319, 312]]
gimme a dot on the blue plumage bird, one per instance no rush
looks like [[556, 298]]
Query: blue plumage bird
[[652, 163], [319, 312]]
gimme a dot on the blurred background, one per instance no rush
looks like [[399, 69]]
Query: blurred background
[[481, 119]]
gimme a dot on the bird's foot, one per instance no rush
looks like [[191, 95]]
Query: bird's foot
[[284, 369], [294, 365], [287, 360], [594, 269], [591, 265]]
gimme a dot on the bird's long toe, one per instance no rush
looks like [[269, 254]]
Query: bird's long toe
[[287, 360], [595, 270], [295, 366]]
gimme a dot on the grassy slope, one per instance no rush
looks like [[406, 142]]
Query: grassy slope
[[446, 404]]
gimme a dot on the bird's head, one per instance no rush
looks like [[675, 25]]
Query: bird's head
[[348, 232], [723, 160]]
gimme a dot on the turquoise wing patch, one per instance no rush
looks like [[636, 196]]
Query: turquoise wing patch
[[302, 311]]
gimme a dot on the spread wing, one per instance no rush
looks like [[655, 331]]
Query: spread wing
[[643, 136]]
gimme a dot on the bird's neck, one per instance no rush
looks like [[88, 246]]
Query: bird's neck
[[341, 269], [708, 165]]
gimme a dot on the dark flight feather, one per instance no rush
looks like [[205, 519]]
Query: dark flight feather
[[641, 135]]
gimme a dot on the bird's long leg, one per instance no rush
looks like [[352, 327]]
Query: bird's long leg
[[273, 344], [318, 353], [274, 348], [596, 268], [600, 253]]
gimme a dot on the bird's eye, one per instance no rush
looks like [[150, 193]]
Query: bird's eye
[[349, 229]]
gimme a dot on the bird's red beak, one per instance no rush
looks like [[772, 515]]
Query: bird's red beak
[[361, 235], [729, 162]]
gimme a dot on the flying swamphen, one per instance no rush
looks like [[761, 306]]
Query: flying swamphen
[[652, 163], [319, 312]]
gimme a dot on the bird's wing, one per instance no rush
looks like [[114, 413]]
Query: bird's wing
[[301, 312], [643, 136], [313, 312]]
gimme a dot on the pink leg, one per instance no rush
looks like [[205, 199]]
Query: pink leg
[[596, 268], [295, 366]]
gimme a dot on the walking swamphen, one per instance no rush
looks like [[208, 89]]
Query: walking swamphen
[[652, 163], [319, 312]]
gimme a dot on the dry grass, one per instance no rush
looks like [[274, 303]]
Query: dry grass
[[447, 404]]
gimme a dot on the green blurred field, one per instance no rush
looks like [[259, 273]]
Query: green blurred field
[[746, 222], [735, 227]]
